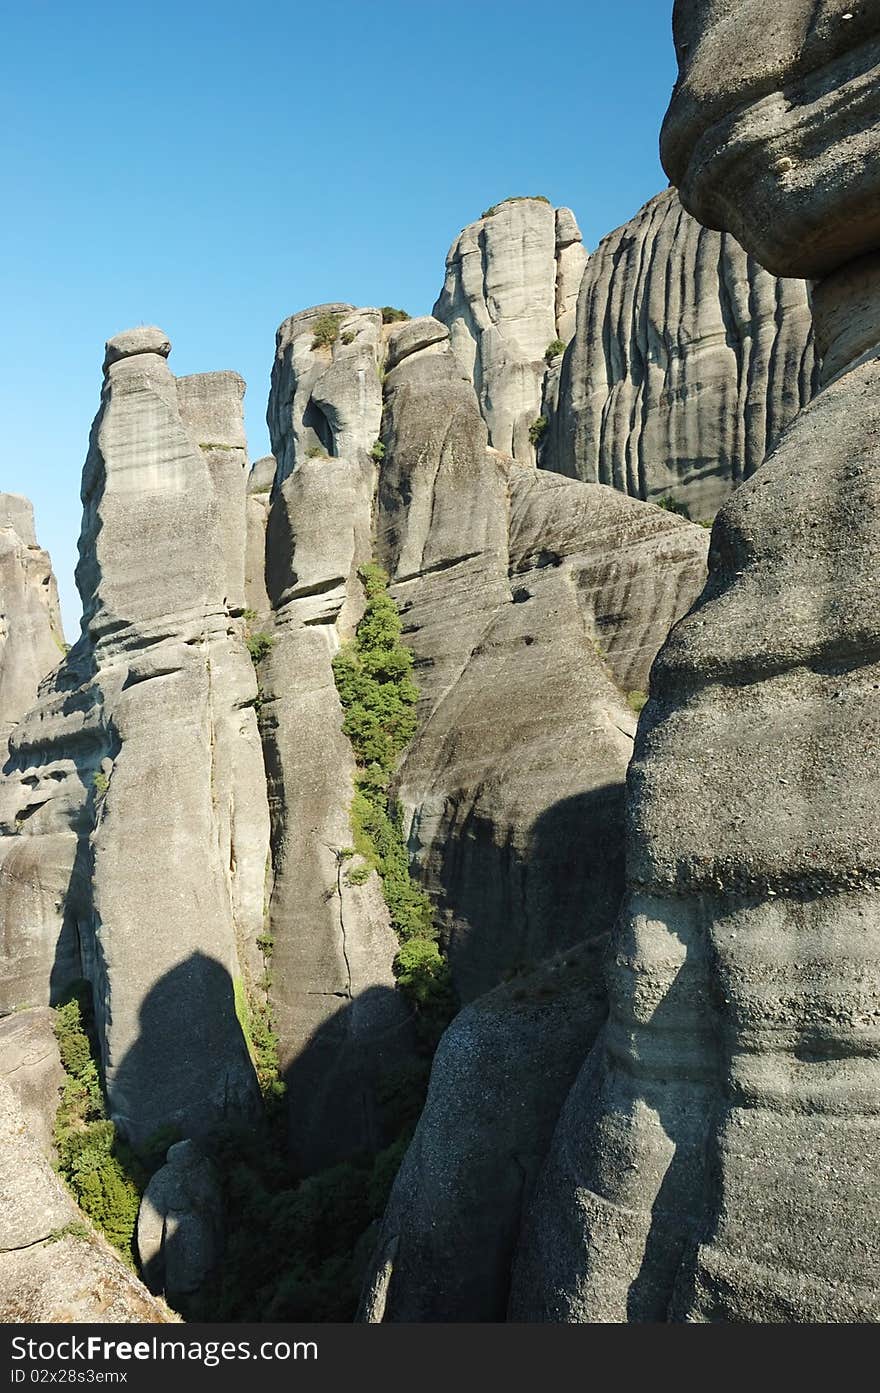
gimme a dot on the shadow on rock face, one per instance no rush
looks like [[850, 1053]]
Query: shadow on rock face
[[189, 1070], [340, 1084], [514, 907]]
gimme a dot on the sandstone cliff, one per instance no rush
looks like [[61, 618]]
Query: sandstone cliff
[[687, 363]]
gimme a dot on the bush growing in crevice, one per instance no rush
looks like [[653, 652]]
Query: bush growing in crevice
[[392, 316], [553, 350], [378, 696], [537, 429], [325, 330], [102, 1173], [672, 505]]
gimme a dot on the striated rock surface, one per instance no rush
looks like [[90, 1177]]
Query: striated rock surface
[[533, 604], [31, 636], [134, 815], [510, 291], [719, 1155], [500, 1076], [53, 1266], [688, 361]]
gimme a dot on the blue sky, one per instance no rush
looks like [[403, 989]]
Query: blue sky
[[213, 167]]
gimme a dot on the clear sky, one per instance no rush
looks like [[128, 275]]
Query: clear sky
[[211, 168]]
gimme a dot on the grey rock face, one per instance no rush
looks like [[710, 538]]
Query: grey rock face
[[31, 637], [533, 604], [340, 1022], [499, 1079], [718, 1157], [780, 145], [687, 363], [134, 806], [53, 1266], [31, 1064], [511, 284], [180, 1222]]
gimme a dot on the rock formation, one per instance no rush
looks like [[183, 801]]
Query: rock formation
[[509, 582], [31, 1065], [53, 1266], [687, 363], [511, 286], [180, 1222], [340, 1022], [134, 816], [718, 1157], [31, 637]]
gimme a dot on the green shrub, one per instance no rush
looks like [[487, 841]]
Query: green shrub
[[378, 451], [672, 505], [392, 316], [378, 697], [102, 1174], [325, 330], [554, 349], [348, 337], [636, 700], [101, 781], [537, 429], [516, 198], [259, 645], [317, 452]]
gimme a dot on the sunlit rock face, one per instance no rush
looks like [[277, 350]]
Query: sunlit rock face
[[509, 299], [772, 132], [719, 1156], [133, 805], [687, 363], [31, 637]]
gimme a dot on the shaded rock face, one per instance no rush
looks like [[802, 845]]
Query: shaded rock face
[[718, 1157], [687, 363], [31, 637], [510, 292], [53, 1266], [133, 808], [499, 1079]]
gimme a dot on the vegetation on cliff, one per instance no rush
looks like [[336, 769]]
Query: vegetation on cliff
[[374, 679], [101, 1173]]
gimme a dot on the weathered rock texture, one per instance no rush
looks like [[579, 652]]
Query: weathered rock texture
[[30, 1063], [687, 363], [340, 1021], [31, 637], [134, 815], [53, 1266], [499, 1079], [180, 1222], [719, 1155], [532, 603], [510, 292]]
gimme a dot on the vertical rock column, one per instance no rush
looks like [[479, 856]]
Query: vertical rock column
[[31, 637], [511, 283], [719, 1156], [341, 1023], [177, 851]]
